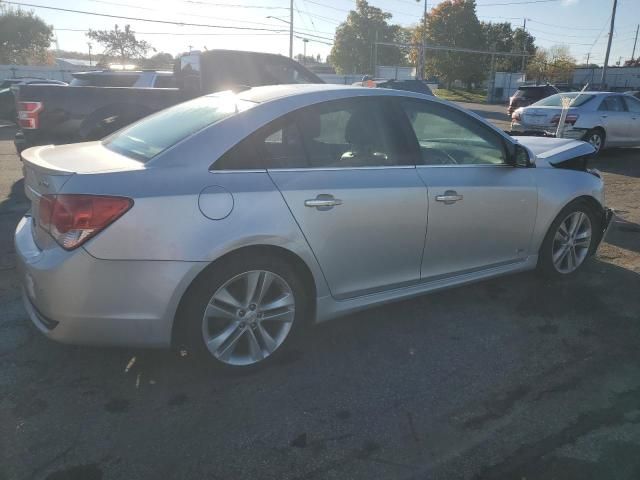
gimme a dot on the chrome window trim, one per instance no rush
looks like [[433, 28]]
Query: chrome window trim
[[482, 165], [331, 169]]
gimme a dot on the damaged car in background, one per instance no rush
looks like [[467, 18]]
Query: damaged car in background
[[229, 223], [603, 119]]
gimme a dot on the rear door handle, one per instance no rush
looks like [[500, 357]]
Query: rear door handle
[[603, 116], [449, 197], [323, 202]]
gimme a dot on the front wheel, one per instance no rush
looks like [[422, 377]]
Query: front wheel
[[244, 312], [569, 241]]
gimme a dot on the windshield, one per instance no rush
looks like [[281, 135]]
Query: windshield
[[152, 135], [556, 100]]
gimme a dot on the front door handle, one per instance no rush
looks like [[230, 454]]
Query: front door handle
[[323, 202], [603, 116], [450, 197]]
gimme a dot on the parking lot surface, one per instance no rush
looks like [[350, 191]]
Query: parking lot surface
[[513, 378]]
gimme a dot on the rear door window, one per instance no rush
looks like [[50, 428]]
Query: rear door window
[[633, 104], [613, 103]]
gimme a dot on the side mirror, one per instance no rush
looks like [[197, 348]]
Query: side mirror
[[521, 157]]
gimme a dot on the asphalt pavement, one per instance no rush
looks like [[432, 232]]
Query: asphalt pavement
[[514, 378]]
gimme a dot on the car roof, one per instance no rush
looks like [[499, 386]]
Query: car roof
[[323, 91]]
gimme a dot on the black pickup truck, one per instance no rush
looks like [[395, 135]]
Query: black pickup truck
[[66, 114]]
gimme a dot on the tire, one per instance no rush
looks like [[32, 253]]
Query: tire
[[595, 137], [244, 335], [565, 253]]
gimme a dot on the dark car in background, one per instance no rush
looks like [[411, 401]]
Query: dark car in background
[[417, 86], [7, 100], [86, 110], [528, 94]]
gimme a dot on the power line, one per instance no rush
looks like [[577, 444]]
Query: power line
[[266, 7], [165, 22]]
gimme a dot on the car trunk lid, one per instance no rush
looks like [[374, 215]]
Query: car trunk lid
[[48, 168]]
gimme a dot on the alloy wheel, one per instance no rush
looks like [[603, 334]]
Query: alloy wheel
[[248, 318], [595, 139], [571, 242]]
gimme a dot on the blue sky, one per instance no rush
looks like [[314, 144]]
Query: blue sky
[[580, 24]]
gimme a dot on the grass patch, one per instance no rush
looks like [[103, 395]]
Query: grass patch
[[455, 95]]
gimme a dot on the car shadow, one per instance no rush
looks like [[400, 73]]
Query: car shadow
[[624, 234], [620, 161]]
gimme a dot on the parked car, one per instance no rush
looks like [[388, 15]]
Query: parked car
[[61, 114], [228, 223], [528, 94], [417, 86], [7, 99], [603, 119]]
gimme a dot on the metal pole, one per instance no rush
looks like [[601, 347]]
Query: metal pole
[[304, 57], [291, 30], [634, 43], [89, 44], [524, 43], [588, 55], [375, 56], [421, 60], [603, 80]]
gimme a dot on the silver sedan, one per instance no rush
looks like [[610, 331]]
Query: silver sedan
[[603, 119], [226, 224]]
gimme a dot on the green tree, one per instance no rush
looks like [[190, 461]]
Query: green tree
[[24, 37], [353, 47], [453, 23], [158, 61], [504, 38], [553, 64], [122, 44]]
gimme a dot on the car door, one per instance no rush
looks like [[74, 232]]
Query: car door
[[481, 210], [615, 118], [633, 105], [358, 200]]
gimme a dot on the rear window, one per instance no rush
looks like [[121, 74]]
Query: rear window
[[556, 100], [529, 93], [154, 134]]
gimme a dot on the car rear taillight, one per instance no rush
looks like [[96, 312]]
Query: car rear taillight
[[516, 116], [570, 120], [73, 219], [29, 114]]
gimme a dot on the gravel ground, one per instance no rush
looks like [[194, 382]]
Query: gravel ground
[[512, 378]]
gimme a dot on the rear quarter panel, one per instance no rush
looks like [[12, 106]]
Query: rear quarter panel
[[166, 222]]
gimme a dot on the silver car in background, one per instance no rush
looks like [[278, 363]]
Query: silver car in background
[[227, 223], [603, 119]]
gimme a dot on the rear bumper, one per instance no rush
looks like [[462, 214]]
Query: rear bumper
[[569, 132], [72, 297]]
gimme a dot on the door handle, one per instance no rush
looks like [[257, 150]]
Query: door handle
[[323, 202], [603, 116], [450, 197]]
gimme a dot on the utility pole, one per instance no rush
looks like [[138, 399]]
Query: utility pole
[[304, 56], [492, 75], [421, 59], [291, 29], [524, 44], [603, 80], [634, 43], [588, 55], [89, 45], [375, 56]]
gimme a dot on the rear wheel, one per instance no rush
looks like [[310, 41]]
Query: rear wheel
[[244, 312], [596, 138], [570, 240]]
